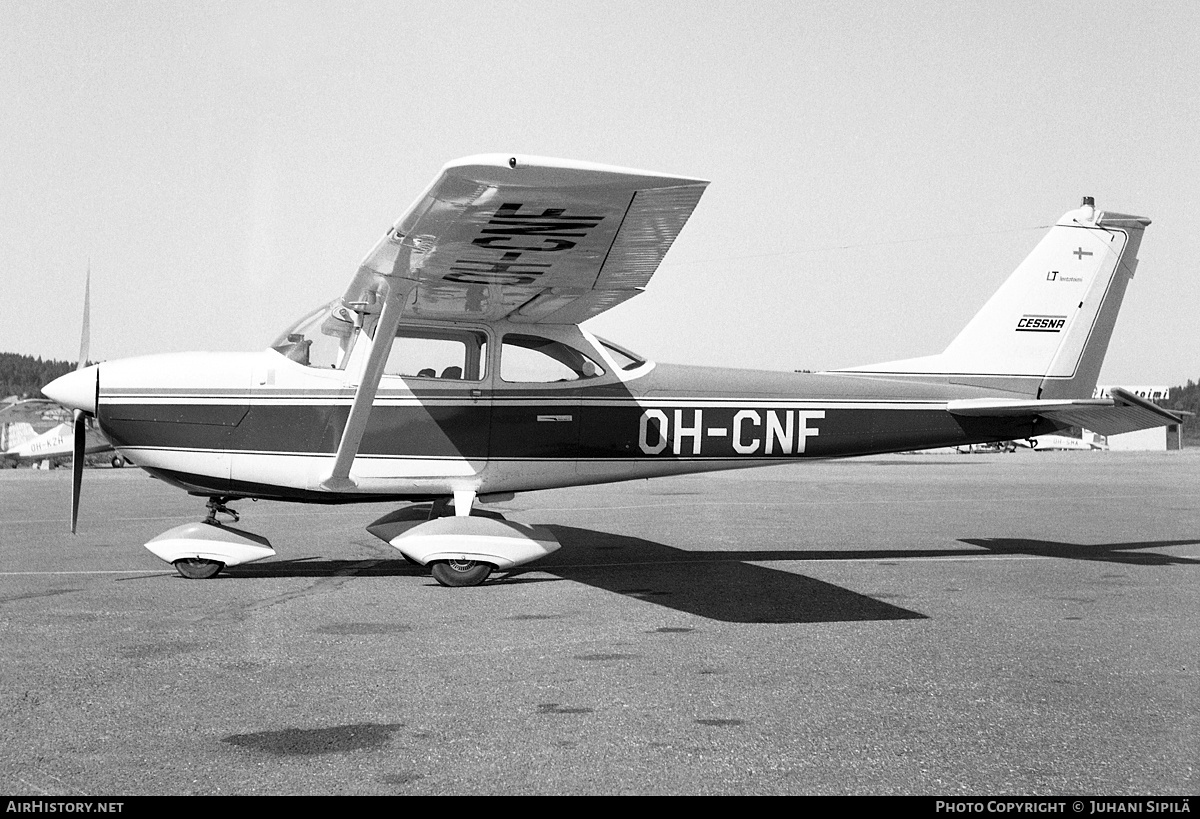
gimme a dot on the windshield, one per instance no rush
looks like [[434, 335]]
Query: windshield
[[322, 338]]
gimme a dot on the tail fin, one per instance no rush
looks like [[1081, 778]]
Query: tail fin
[[1046, 330], [14, 435]]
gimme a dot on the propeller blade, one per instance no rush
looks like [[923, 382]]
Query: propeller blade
[[77, 465], [79, 445], [85, 337]]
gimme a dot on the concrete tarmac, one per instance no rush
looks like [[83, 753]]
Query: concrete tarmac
[[912, 624]]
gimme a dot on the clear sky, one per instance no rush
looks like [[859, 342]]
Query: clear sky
[[877, 168]]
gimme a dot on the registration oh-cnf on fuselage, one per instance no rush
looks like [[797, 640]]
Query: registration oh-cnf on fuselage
[[454, 371]]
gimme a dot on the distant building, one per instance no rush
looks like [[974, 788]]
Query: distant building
[[1143, 440], [1149, 393]]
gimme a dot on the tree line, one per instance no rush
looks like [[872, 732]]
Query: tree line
[[1187, 398], [24, 376]]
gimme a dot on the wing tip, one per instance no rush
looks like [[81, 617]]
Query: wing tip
[[515, 168]]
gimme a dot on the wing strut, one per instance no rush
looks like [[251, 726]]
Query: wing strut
[[339, 479]]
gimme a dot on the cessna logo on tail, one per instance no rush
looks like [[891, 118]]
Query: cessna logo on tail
[[1041, 324]]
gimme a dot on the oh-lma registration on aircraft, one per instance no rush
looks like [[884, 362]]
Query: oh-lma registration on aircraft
[[454, 372]]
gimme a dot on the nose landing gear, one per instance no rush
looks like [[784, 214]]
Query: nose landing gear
[[201, 550]]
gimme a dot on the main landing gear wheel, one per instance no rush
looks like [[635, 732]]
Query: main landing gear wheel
[[197, 568], [460, 572]]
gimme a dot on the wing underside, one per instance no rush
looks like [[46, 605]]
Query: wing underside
[[528, 239]]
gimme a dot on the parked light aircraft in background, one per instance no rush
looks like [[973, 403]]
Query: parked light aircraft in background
[[454, 370], [58, 442], [34, 430], [23, 420], [1051, 443]]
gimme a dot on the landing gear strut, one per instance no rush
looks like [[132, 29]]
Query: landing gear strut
[[216, 505]]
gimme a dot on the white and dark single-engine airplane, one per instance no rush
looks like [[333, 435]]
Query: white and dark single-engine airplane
[[454, 371], [23, 422], [55, 443], [37, 430]]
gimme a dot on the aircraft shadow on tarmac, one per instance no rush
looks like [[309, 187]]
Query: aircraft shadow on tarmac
[[1127, 553], [726, 585], [720, 585]]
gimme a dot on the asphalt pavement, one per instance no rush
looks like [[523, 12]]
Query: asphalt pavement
[[1024, 624]]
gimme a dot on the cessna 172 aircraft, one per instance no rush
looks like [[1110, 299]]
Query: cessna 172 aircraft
[[454, 370]]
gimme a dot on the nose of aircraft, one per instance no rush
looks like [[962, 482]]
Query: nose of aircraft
[[76, 389]]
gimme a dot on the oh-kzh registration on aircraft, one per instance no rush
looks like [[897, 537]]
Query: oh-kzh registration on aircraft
[[454, 371], [55, 443]]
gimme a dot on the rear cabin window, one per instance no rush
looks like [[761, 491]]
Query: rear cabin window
[[447, 355], [533, 359]]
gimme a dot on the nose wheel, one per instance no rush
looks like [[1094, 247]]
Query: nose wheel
[[458, 573]]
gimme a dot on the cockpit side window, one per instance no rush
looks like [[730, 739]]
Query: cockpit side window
[[533, 359], [448, 355]]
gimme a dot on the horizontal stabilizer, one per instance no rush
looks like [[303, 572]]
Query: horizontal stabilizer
[[1124, 412]]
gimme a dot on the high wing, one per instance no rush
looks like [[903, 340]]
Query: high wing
[[530, 239], [1124, 412], [34, 411]]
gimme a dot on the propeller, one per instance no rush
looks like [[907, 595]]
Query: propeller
[[80, 417], [77, 465]]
